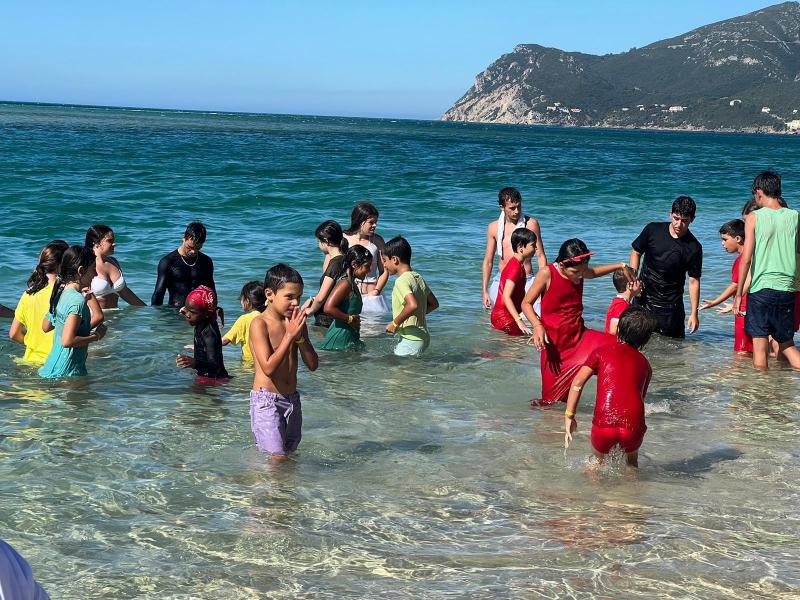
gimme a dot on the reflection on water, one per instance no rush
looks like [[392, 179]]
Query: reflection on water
[[424, 478]]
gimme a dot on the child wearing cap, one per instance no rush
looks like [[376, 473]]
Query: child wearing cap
[[201, 312]]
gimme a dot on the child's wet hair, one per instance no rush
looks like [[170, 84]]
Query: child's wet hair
[[330, 232], [620, 280], [74, 262], [684, 206], [734, 229], [253, 293], [49, 262], [95, 234], [522, 237], [573, 253], [398, 247], [279, 275], [355, 257], [508, 194], [769, 182], [361, 212], [635, 326], [195, 232]]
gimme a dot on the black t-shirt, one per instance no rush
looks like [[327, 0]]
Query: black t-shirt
[[208, 350], [333, 270], [179, 277], [667, 261]]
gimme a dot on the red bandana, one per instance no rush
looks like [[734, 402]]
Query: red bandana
[[205, 298]]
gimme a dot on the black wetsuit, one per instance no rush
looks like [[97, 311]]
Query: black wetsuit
[[667, 261], [208, 350], [179, 276]]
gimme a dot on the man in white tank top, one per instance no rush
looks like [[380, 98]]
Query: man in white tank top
[[498, 242]]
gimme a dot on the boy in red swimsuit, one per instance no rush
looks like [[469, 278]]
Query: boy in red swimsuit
[[626, 291], [623, 375], [732, 236], [507, 306]]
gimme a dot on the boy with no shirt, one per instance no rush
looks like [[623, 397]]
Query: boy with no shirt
[[511, 218], [276, 336]]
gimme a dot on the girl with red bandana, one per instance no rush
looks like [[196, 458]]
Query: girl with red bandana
[[201, 312]]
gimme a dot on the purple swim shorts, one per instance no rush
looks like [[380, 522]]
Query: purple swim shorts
[[276, 421]]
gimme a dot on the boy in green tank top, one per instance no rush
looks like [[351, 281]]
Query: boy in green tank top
[[771, 254]]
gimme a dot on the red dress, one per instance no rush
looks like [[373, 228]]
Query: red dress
[[501, 318], [570, 341], [615, 310], [741, 341], [623, 375]]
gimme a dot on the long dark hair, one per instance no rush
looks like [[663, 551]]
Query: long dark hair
[[95, 233], [253, 293], [330, 232], [573, 253], [49, 261], [75, 259], [361, 212], [354, 257]]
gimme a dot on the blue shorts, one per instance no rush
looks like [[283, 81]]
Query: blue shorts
[[770, 312]]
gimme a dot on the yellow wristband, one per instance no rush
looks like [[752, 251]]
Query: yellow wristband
[[518, 319], [349, 319], [569, 414], [300, 340]]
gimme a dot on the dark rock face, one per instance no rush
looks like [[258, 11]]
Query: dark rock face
[[742, 74]]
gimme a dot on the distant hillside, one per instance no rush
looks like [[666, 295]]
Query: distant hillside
[[742, 74]]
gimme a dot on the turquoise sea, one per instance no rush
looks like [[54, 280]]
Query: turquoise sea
[[428, 478]]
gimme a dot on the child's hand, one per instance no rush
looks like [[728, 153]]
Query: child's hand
[[570, 426], [635, 288], [374, 292], [706, 304], [87, 292], [294, 326], [725, 308], [100, 331], [539, 337], [306, 308], [184, 362], [391, 327]]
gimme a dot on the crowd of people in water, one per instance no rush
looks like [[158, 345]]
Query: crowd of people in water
[[60, 313]]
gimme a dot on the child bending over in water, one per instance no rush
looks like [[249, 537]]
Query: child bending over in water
[[74, 312], [201, 312], [276, 336], [626, 291], [507, 307], [253, 301], [344, 303], [623, 375]]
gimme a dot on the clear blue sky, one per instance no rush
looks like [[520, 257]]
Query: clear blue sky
[[336, 57]]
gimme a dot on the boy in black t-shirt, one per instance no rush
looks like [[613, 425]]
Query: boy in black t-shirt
[[671, 252]]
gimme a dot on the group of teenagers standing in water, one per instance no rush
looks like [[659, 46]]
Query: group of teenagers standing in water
[[61, 312]]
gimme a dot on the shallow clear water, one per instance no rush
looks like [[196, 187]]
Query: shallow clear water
[[430, 478]]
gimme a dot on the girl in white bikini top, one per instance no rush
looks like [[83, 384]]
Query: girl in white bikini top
[[109, 282]]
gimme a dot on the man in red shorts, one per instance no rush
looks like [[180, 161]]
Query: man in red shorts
[[623, 375]]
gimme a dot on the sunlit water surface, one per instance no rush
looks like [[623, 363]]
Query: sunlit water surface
[[428, 478]]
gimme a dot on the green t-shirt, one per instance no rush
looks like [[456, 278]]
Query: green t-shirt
[[414, 327], [775, 256]]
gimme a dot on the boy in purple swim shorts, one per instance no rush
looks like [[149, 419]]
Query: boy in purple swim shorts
[[277, 335]]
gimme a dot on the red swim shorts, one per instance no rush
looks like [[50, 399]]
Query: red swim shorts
[[605, 438]]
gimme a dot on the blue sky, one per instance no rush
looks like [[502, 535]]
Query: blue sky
[[408, 59]]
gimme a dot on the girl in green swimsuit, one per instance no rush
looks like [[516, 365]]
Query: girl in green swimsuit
[[343, 304]]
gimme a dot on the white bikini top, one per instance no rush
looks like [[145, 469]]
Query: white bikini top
[[103, 287], [501, 230], [372, 276]]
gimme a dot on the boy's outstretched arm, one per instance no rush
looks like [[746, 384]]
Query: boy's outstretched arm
[[433, 303], [307, 352], [570, 424], [601, 271], [729, 291]]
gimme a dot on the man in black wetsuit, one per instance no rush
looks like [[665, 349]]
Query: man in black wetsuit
[[670, 253], [184, 269]]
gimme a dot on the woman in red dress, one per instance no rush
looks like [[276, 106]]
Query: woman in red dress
[[560, 334]]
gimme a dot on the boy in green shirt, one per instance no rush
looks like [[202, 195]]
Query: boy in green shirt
[[772, 248], [412, 299]]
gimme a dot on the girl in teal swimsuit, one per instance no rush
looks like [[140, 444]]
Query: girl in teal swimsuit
[[344, 303]]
